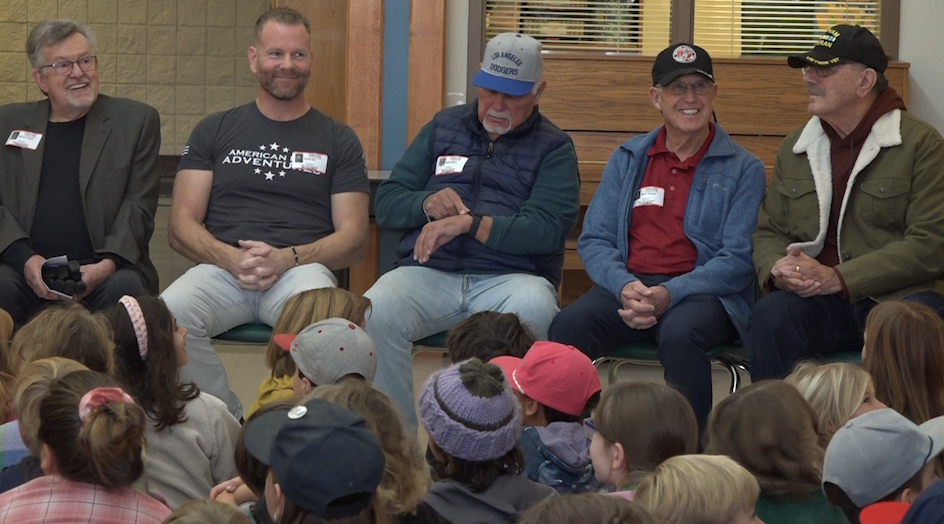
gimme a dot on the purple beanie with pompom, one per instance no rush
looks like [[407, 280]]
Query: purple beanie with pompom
[[470, 412]]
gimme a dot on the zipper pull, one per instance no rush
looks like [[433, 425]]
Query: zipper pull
[[491, 146]]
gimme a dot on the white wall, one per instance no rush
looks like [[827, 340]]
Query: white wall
[[457, 50], [920, 44]]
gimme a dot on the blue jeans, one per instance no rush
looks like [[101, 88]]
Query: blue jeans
[[207, 300], [410, 303], [786, 328], [683, 335]]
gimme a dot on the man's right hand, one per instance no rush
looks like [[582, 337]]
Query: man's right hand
[[33, 271], [637, 313], [444, 203]]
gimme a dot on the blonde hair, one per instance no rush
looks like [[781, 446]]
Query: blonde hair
[[697, 489], [306, 308], [65, 330], [7, 373], [406, 480], [834, 391], [206, 512], [32, 386]]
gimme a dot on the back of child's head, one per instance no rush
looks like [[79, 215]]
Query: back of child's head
[[93, 429], [206, 512], [770, 429], [68, 330], [651, 422], [559, 378], [474, 422], [340, 485], [146, 358], [585, 507], [880, 456], [836, 391], [306, 308], [328, 351], [488, 334], [250, 469], [697, 489], [7, 370], [406, 477], [902, 352], [31, 387]]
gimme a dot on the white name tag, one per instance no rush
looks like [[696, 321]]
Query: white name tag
[[27, 139], [450, 164], [316, 163], [650, 196]]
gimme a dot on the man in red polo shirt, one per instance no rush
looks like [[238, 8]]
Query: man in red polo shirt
[[667, 237]]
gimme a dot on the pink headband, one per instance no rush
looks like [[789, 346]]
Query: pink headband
[[137, 322], [100, 396]]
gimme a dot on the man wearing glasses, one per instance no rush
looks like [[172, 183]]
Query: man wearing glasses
[[79, 176], [853, 215], [666, 239]]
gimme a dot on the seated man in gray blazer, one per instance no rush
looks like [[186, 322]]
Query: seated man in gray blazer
[[79, 177]]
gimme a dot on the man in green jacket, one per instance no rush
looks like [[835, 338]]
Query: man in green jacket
[[853, 213]]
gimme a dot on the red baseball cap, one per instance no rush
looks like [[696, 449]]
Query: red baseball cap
[[557, 376], [884, 513]]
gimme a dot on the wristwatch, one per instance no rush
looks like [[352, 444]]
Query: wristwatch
[[474, 228]]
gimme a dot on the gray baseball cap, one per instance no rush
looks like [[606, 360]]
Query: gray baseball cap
[[330, 349], [875, 454]]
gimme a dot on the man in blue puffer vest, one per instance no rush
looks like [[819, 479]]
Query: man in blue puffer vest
[[485, 195], [667, 237]]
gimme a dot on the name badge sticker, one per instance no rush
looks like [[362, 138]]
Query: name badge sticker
[[24, 139], [650, 196], [316, 163], [450, 164]]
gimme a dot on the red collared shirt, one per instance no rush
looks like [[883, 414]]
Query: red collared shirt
[[54, 499], [657, 241]]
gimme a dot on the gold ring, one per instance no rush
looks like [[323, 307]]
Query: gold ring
[[798, 269]]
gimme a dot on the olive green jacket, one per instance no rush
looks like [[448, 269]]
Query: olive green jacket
[[891, 223]]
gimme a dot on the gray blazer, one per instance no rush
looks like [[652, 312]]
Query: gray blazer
[[119, 177]]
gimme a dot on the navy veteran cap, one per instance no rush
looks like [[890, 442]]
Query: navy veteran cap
[[681, 59], [844, 43]]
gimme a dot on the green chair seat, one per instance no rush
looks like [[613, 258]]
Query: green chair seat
[[247, 334], [733, 357], [853, 357]]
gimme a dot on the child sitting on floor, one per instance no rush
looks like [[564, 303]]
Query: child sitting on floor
[[557, 387], [488, 334]]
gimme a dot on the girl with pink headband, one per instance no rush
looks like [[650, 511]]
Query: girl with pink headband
[[191, 435], [92, 436]]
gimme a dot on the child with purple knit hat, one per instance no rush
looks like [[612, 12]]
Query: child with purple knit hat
[[474, 423]]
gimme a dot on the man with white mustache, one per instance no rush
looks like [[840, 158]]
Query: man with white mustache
[[667, 237], [269, 198], [79, 176], [853, 216], [485, 195]]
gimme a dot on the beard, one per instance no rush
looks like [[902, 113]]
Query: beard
[[497, 129], [267, 79]]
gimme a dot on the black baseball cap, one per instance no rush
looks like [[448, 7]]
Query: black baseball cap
[[681, 59], [324, 457], [844, 43]]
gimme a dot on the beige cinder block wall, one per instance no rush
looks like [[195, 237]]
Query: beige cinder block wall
[[187, 58]]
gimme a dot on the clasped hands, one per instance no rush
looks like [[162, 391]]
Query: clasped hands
[[451, 218], [257, 265], [643, 305], [803, 275]]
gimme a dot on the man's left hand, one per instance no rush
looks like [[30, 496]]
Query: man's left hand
[[801, 274], [94, 274], [263, 265], [644, 313], [438, 233]]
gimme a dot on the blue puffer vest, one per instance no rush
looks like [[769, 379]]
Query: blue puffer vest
[[496, 181]]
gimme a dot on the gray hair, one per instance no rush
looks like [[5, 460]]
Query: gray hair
[[51, 32], [282, 15]]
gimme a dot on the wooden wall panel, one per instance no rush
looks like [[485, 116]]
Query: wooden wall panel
[[365, 75], [426, 80]]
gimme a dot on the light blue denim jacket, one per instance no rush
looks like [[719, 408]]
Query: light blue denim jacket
[[721, 214]]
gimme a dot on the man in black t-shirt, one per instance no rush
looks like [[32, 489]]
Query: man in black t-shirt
[[269, 198], [79, 177]]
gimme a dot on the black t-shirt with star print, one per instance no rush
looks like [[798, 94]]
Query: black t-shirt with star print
[[257, 194]]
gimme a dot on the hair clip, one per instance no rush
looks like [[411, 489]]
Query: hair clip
[[99, 397], [137, 322]]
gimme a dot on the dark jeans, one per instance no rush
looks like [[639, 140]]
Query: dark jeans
[[683, 335], [19, 300], [786, 329]]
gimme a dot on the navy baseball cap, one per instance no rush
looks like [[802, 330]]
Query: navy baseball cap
[[681, 59], [844, 43]]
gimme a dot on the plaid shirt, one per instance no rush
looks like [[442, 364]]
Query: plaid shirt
[[57, 500]]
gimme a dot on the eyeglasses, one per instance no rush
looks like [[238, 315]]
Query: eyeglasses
[[679, 88], [64, 68], [821, 71]]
